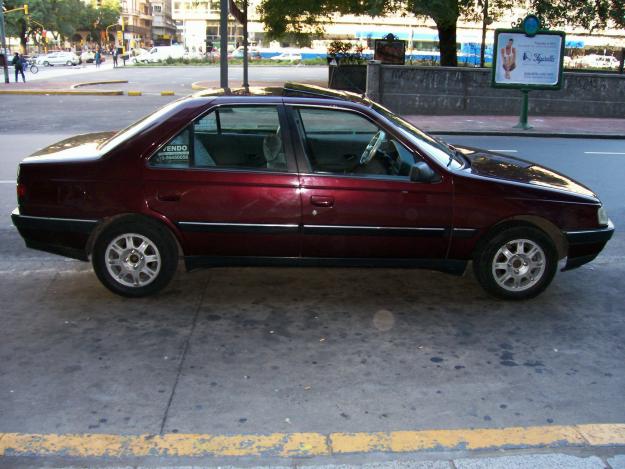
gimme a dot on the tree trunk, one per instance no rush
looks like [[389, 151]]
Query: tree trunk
[[447, 44], [23, 36]]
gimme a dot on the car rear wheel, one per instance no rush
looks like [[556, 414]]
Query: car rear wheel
[[516, 264], [69, 63], [135, 259], [46, 64]]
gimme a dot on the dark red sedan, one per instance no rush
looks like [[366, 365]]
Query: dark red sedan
[[299, 176]]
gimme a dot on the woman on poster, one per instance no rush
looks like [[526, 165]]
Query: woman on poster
[[508, 56]]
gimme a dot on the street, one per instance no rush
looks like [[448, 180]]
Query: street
[[261, 350]]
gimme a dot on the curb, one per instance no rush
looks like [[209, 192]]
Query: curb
[[65, 92], [504, 133], [92, 83], [196, 86], [289, 445]]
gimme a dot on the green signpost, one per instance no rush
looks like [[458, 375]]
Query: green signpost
[[528, 57]]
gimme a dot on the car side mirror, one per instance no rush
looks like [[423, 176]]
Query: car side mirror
[[421, 172]]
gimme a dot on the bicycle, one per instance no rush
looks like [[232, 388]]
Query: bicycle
[[32, 66]]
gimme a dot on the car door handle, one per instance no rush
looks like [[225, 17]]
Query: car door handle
[[169, 196], [322, 200]]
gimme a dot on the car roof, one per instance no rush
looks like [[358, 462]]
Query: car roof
[[293, 90]]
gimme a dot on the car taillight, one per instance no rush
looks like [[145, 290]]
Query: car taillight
[[21, 191]]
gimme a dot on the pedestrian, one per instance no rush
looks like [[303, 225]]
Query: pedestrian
[[19, 66], [115, 55], [98, 58]]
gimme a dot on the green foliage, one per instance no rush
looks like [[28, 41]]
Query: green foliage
[[62, 17], [346, 53], [588, 14], [309, 16]]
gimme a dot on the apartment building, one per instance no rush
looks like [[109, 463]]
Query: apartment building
[[163, 26]]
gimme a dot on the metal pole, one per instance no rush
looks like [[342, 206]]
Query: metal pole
[[523, 117], [246, 83], [4, 43], [484, 24], [223, 44]]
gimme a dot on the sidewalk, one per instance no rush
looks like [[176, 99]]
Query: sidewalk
[[543, 126]]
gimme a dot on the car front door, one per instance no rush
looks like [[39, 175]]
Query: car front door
[[358, 200], [229, 185]]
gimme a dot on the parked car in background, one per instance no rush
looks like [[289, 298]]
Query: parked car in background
[[160, 54], [87, 57], [300, 176], [597, 61], [252, 54], [287, 57], [58, 58]]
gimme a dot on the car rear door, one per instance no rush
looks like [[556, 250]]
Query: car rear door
[[372, 210], [229, 182]]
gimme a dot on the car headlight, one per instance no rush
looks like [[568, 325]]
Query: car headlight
[[602, 216]]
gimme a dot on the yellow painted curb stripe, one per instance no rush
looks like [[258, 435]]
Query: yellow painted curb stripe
[[602, 434], [167, 93], [308, 444], [196, 86], [60, 92], [189, 445], [134, 93]]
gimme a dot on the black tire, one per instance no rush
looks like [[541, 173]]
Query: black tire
[[46, 64], [532, 278], [162, 244], [69, 63]]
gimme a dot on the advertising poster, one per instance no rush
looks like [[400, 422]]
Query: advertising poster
[[390, 51], [525, 60]]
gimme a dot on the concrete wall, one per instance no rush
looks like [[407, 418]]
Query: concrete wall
[[446, 90], [348, 77]]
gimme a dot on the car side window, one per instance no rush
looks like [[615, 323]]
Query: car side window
[[344, 142], [229, 137]]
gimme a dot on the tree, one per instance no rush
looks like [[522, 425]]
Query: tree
[[96, 20], [588, 14], [281, 16], [63, 18]]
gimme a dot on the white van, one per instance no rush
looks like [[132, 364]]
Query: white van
[[160, 53]]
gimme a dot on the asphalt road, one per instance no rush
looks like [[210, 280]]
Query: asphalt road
[[268, 350]]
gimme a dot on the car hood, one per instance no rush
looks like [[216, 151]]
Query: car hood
[[495, 165], [78, 148]]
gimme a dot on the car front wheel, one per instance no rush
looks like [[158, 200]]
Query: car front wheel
[[516, 264], [135, 259]]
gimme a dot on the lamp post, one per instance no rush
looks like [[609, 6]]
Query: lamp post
[[4, 43], [223, 44], [3, 39], [246, 83]]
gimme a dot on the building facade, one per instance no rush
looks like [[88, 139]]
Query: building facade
[[137, 19], [163, 26]]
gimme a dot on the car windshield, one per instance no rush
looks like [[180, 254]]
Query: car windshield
[[442, 152]]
